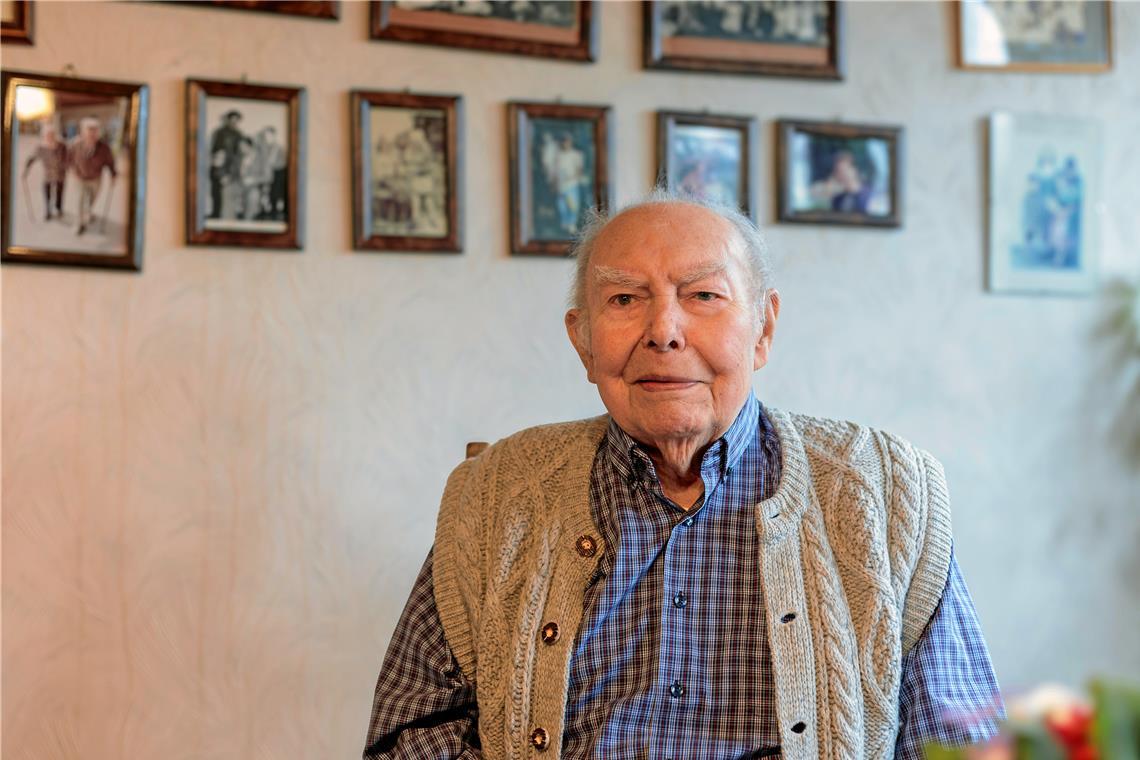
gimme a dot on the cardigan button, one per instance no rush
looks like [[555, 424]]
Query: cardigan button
[[586, 546], [788, 618], [539, 739], [550, 633]]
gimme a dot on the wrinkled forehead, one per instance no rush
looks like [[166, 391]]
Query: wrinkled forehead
[[673, 237]]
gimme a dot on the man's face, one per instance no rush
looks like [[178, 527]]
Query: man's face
[[672, 334]]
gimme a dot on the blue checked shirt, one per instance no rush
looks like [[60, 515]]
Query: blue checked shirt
[[672, 659]]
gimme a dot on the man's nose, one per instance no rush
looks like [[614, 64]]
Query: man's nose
[[665, 329]]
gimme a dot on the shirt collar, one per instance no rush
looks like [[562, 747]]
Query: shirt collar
[[630, 460]]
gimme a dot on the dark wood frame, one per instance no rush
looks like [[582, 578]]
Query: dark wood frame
[[747, 126], [362, 237], [135, 140], [584, 50], [197, 90], [322, 9], [958, 10], [892, 134], [20, 31], [518, 115], [655, 58]]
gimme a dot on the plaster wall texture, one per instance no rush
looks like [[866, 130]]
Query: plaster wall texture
[[220, 476]]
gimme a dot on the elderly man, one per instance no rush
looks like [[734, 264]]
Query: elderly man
[[89, 154], [694, 575]]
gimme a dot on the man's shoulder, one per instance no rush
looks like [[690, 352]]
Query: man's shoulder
[[542, 443], [853, 443]]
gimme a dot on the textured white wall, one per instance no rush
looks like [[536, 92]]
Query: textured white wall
[[221, 476]]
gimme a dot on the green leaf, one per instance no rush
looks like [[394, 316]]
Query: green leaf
[[1116, 725]]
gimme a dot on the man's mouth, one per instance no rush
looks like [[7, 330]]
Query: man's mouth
[[665, 382]]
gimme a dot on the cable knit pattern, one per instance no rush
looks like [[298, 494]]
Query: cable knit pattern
[[856, 540]]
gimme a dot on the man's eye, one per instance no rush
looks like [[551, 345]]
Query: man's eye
[[705, 295], [622, 299]]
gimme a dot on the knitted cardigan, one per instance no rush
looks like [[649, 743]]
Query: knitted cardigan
[[855, 541]]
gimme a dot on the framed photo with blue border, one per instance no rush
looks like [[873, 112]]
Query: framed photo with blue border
[[1044, 203]]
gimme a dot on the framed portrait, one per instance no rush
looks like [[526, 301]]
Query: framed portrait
[[1043, 203], [761, 37], [74, 168], [245, 164], [708, 156], [406, 172], [565, 29], [1013, 35], [559, 159], [16, 21], [838, 173], [326, 9]]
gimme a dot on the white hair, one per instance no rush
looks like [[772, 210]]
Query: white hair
[[755, 247]]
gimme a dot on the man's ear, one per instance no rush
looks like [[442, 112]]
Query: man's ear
[[576, 331], [764, 340]]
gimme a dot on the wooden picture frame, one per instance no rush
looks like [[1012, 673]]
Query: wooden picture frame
[[321, 9], [238, 192], [839, 173], [1044, 184], [554, 185], [553, 37], [17, 28], [999, 49], [743, 38], [406, 172], [65, 135], [708, 156]]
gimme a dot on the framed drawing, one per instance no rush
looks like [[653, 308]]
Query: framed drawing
[[406, 172], [564, 29], [761, 37], [326, 9], [837, 173], [245, 164], [1043, 203], [708, 156], [1013, 35], [74, 155], [559, 159], [16, 21]]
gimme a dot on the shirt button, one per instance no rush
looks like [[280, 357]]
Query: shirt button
[[539, 739], [687, 522], [550, 633], [586, 546], [680, 600], [676, 691], [799, 727]]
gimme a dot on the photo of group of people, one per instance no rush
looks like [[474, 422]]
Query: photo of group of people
[[69, 152], [246, 162], [409, 172]]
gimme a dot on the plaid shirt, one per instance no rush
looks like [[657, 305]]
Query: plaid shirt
[[672, 659]]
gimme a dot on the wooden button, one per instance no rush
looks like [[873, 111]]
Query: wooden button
[[539, 739], [587, 546], [550, 633]]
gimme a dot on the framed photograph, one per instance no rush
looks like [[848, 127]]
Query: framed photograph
[[245, 164], [564, 29], [761, 37], [406, 172], [16, 21], [837, 173], [559, 159], [74, 156], [1044, 202], [1013, 35], [708, 156], [327, 9]]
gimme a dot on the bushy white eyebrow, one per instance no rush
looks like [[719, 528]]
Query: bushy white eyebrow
[[622, 278]]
